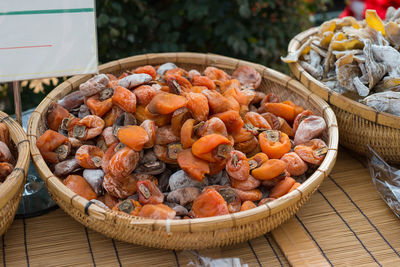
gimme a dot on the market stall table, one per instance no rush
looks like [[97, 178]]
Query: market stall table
[[344, 223]]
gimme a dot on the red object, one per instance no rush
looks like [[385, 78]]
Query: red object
[[356, 8]]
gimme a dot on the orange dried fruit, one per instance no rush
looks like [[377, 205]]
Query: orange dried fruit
[[249, 184], [125, 99], [203, 81], [175, 72], [80, 186], [194, 167], [248, 146], [5, 169], [179, 117], [217, 167], [285, 127], [212, 148], [197, 105], [216, 74], [272, 120], [149, 193], [89, 157], [123, 162], [151, 128], [165, 135], [269, 169], [295, 165], [144, 94], [229, 84], [4, 134], [164, 153], [282, 187], [53, 146], [247, 205], [216, 102], [297, 109], [178, 84], [133, 136], [86, 128], [274, 143], [249, 195], [107, 157], [55, 115], [165, 103], [256, 120], [281, 110], [120, 187], [142, 114], [157, 212], [112, 116], [187, 133], [98, 107], [313, 151], [148, 69], [237, 166], [5, 154], [232, 120], [212, 126], [244, 134], [257, 160], [209, 203]]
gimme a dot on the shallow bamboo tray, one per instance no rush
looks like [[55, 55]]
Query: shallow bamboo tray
[[11, 189], [193, 233], [359, 124]]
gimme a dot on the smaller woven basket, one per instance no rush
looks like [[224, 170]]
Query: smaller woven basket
[[359, 124], [11, 189], [191, 233]]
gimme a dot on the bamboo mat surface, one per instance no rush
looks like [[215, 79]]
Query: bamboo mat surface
[[345, 223]]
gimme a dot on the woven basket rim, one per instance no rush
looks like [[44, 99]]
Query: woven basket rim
[[189, 225], [17, 177], [333, 97]]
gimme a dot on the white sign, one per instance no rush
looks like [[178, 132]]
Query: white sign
[[47, 38]]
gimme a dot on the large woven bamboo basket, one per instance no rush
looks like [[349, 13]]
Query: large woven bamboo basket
[[359, 124], [192, 233], [11, 189]]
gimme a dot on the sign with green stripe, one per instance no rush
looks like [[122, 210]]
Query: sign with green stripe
[[46, 11], [47, 38]]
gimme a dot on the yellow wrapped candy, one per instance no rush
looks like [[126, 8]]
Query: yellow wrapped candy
[[347, 45], [328, 26], [326, 39], [374, 21]]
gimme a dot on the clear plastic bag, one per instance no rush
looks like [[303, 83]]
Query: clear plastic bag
[[386, 179], [208, 258]]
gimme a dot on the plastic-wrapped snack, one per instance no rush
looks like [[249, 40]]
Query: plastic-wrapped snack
[[386, 180]]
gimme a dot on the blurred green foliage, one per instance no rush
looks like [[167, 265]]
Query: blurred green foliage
[[254, 30]]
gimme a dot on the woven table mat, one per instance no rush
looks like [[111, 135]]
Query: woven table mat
[[345, 223]]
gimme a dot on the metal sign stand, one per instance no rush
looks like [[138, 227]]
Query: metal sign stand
[[17, 101]]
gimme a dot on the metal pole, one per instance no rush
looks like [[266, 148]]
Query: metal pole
[[17, 101]]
